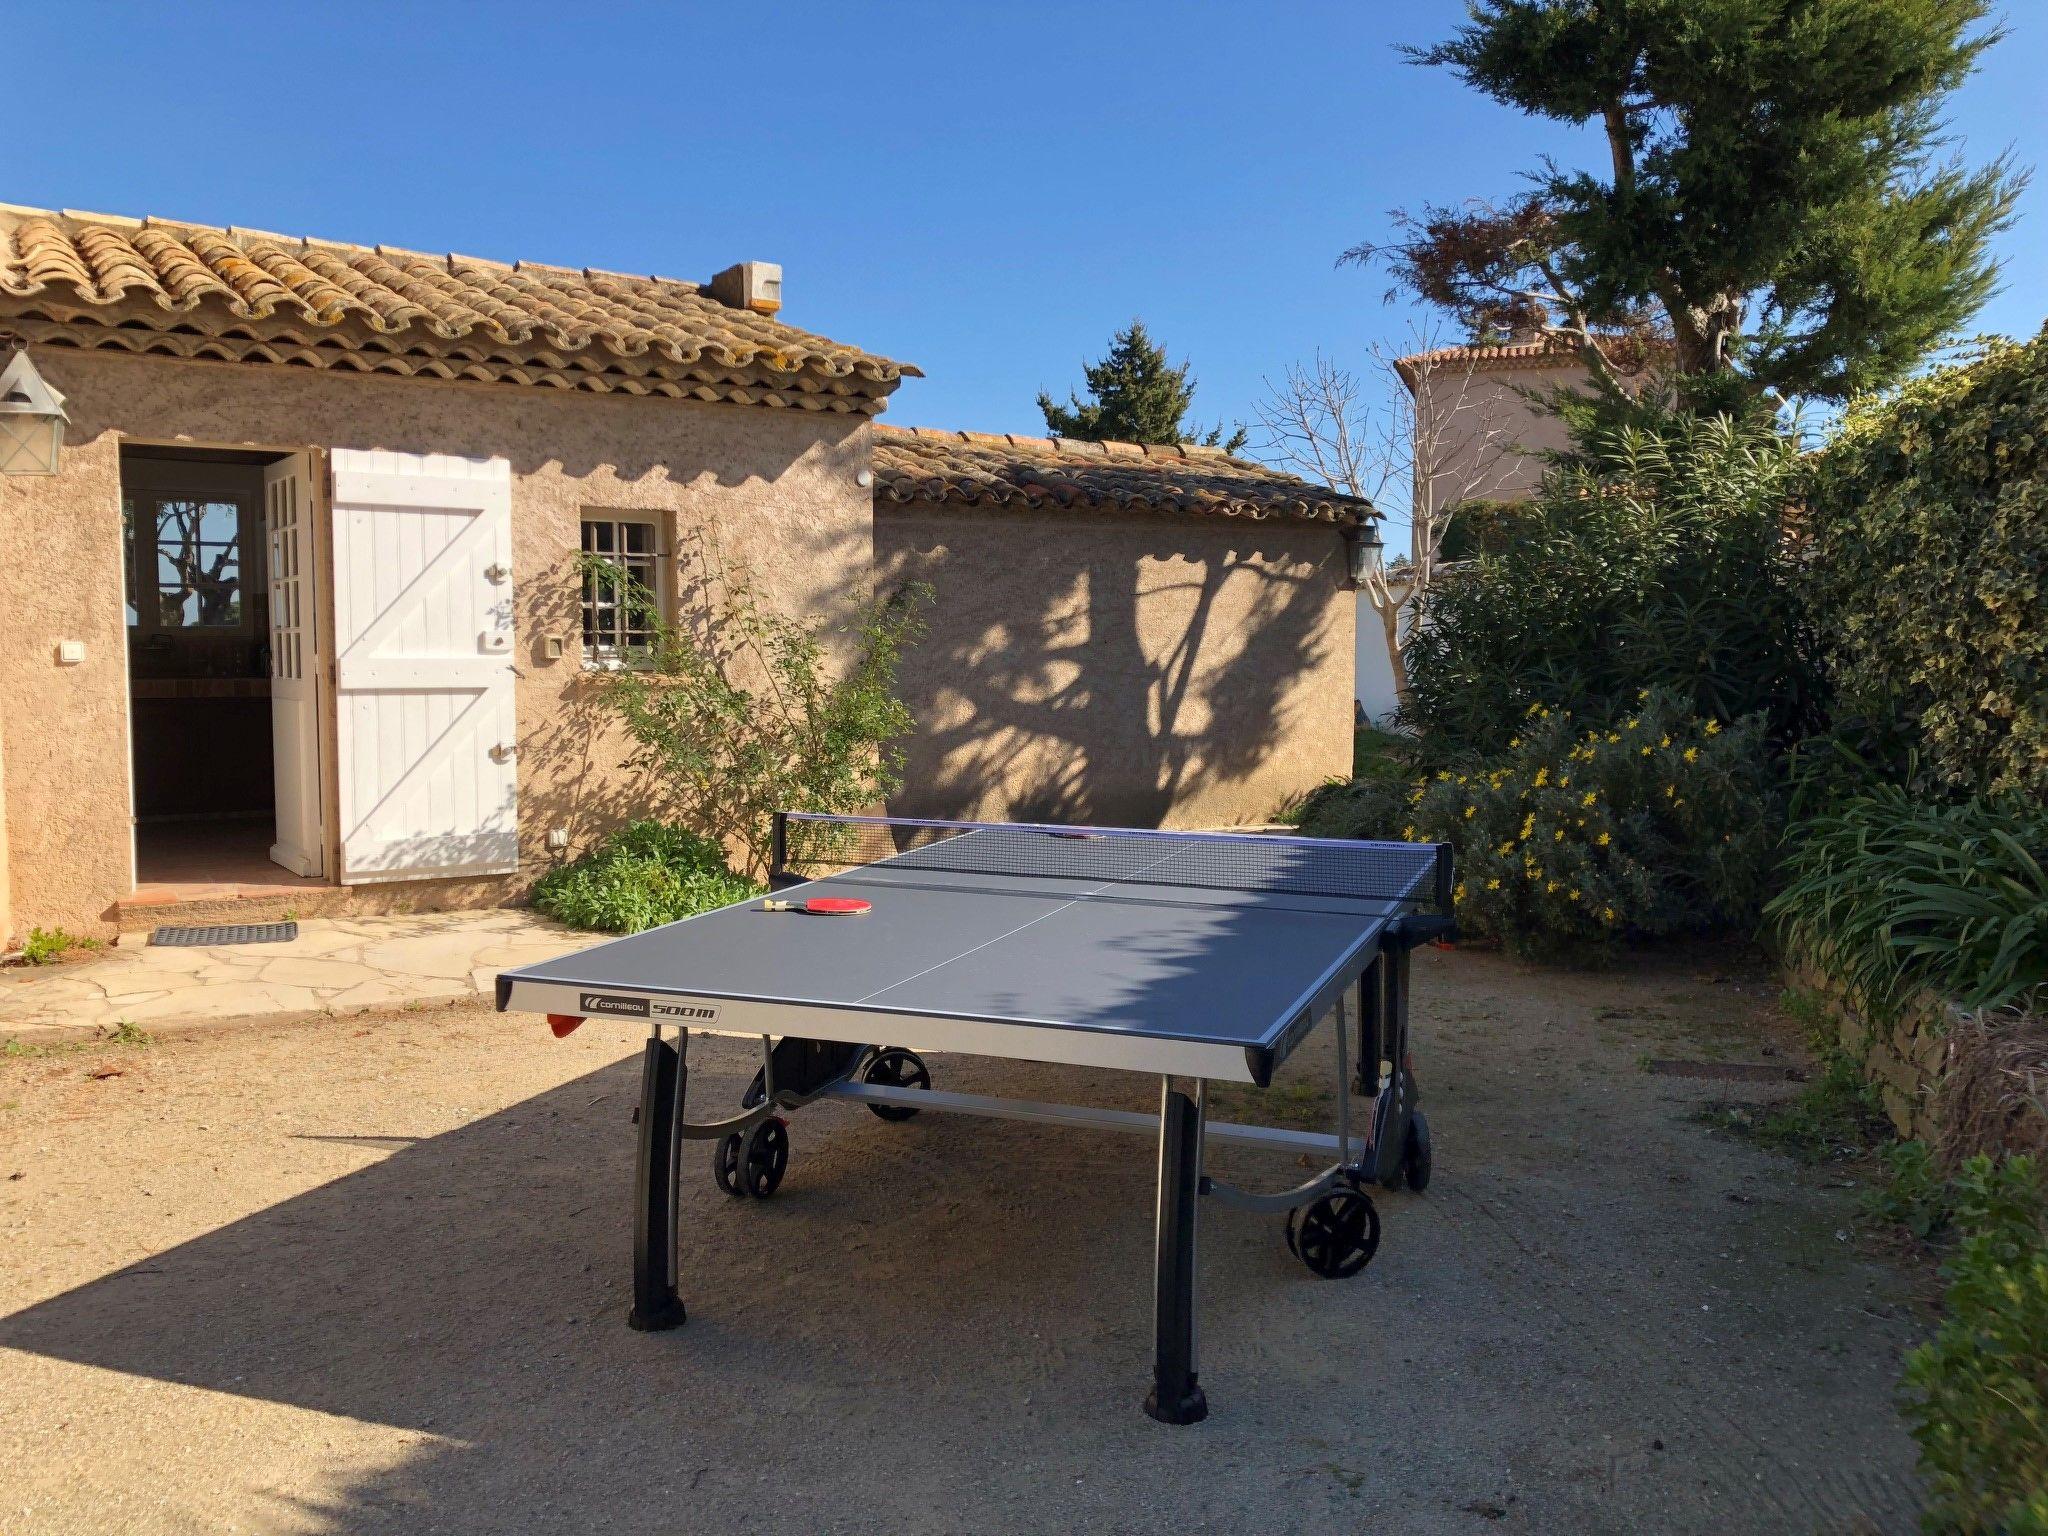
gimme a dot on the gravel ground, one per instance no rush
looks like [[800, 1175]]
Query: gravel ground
[[371, 1275]]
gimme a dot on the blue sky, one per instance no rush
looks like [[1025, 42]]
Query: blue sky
[[984, 190]]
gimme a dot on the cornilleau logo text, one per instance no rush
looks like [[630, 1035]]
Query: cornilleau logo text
[[597, 1002]]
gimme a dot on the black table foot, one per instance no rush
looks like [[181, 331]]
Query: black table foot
[[1186, 1405], [659, 1318]]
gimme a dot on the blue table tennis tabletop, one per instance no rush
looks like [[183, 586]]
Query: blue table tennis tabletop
[[1192, 953]]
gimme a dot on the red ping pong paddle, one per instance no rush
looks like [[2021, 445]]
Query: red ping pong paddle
[[821, 906], [564, 1024]]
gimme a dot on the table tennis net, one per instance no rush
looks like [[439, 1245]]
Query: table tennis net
[[812, 847]]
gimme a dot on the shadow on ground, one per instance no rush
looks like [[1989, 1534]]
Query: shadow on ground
[[944, 1326]]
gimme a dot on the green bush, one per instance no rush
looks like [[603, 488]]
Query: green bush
[[1976, 1394], [643, 875], [1890, 894], [1654, 824], [1928, 572], [1383, 767], [741, 710], [1369, 806], [1652, 559]]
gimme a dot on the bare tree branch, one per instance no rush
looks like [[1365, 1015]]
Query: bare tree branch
[[1437, 438]]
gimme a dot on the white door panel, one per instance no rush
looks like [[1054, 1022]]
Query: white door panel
[[423, 666], [295, 663]]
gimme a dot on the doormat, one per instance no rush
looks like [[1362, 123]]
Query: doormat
[[228, 933], [1726, 1071]]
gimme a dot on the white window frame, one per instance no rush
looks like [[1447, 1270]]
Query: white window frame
[[145, 483], [615, 657]]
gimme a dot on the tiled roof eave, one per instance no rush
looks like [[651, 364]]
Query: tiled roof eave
[[82, 269], [1515, 357], [923, 466], [729, 386]]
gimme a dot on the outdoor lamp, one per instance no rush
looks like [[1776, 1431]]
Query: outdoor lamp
[[31, 418], [1362, 552]]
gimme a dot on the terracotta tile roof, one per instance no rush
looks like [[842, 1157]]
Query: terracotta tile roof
[[980, 469], [191, 290], [1630, 355]]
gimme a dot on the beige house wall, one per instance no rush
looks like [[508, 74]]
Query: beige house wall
[[6, 889], [1479, 437], [1144, 670], [777, 486]]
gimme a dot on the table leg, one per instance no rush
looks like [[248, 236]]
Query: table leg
[[657, 1186], [1371, 998], [1390, 1129], [1176, 1398]]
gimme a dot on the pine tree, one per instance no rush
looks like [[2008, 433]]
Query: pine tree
[[1136, 396], [1777, 203]]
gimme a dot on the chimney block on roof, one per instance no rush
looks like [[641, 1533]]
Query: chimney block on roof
[[755, 285]]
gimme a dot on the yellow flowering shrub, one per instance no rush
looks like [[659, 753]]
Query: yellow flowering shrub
[[1573, 840]]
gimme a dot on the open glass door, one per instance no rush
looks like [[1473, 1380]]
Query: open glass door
[[294, 663]]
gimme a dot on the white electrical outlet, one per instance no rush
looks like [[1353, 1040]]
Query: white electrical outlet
[[558, 838]]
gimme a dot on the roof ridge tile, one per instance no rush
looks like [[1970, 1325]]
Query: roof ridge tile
[[121, 220]]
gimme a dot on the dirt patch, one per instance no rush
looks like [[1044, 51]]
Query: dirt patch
[[370, 1274]]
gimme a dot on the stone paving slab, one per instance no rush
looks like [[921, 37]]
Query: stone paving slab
[[335, 966]]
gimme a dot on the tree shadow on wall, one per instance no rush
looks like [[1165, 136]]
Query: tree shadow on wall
[[1090, 671]]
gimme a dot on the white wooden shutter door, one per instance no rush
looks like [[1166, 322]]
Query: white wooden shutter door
[[423, 665]]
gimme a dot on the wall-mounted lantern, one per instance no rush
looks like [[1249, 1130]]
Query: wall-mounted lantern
[[31, 417], [1364, 553]]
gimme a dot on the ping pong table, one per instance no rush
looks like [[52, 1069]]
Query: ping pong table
[[1193, 957]]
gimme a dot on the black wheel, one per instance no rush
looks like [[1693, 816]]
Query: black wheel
[[1415, 1155], [896, 1068], [1338, 1235], [725, 1165], [764, 1158]]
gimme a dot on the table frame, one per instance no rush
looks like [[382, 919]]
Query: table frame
[[1371, 1021]]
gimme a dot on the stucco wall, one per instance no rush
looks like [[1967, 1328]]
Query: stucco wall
[[6, 883], [1147, 670], [1479, 437], [778, 485]]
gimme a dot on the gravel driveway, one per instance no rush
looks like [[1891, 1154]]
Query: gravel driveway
[[370, 1275]]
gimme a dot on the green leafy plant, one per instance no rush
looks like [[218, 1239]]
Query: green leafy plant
[[1914, 1195], [1927, 515], [1372, 805], [1654, 824], [1651, 559], [1381, 761], [45, 945], [641, 876], [1889, 893], [1976, 1395], [741, 710]]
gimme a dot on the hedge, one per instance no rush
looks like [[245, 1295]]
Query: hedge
[[1927, 574], [1656, 558]]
